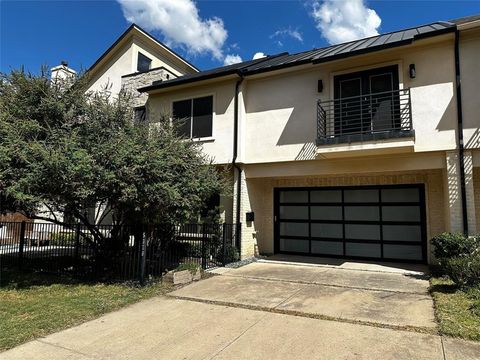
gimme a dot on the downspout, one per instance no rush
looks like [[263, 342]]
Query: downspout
[[460, 132], [235, 154]]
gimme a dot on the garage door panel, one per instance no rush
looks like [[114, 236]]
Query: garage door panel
[[294, 245], [401, 195], [293, 229], [361, 196], [362, 213], [409, 252], [401, 213], [326, 230], [326, 196], [326, 212], [364, 250], [294, 212], [294, 196], [327, 247], [359, 231], [369, 222], [402, 233]]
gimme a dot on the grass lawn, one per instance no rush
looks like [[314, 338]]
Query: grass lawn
[[34, 305], [457, 311]]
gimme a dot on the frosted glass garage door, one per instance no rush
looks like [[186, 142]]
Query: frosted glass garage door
[[384, 222]]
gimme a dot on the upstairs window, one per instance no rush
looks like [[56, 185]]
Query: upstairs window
[[140, 113], [194, 117], [143, 62]]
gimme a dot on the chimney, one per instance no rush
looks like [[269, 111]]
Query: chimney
[[62, 72]]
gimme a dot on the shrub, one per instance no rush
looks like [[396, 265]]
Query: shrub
[[449, 245], [63, 239], [231, 254], [464, 270]]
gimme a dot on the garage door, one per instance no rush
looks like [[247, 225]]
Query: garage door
[[380, 222]]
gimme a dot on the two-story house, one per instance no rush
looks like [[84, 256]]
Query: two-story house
[[364, 149]]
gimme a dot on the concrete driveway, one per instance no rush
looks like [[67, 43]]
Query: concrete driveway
[[267, 311], [387, 298]]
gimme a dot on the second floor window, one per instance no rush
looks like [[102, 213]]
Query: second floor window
[[194, 117], [143, 62]]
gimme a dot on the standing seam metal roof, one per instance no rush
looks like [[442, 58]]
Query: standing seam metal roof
[[356, 47]]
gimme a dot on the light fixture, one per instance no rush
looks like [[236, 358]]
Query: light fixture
[[412, 71], [320, 86]]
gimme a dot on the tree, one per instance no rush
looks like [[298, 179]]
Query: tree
[[65, 150]]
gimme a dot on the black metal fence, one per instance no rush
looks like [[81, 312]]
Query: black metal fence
[[117, 252], [365, 117]]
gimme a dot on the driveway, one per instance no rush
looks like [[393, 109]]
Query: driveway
[[267, 311]]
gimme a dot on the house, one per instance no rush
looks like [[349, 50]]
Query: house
[[364, 149]]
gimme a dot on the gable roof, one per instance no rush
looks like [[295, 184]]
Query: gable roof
[[132, 28], [315, 56]]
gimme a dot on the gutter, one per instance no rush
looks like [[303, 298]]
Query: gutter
[[235, 154], [461, 149]]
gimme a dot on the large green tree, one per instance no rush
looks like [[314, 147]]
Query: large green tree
[[65, 150]]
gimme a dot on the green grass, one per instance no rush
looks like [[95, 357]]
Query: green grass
[[457, 311], [34, 305]]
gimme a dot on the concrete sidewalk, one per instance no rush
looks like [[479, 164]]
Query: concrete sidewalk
[[168, 328]]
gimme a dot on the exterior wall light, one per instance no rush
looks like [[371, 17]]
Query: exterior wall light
[[320, 86], [412, 71]]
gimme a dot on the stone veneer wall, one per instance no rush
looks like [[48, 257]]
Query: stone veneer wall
[[133, 82], [258, 237]]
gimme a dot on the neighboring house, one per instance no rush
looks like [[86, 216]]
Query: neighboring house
[[365, 149], [135, 59]]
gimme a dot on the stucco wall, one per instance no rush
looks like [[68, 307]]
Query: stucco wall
[[260, 193], [469, 67], [111, 73], [281, 109], [220, 145]]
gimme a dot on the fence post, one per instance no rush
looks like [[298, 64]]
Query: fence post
[[77, 249], [22, 244], [224, 245], [143, 257], [204, 248]]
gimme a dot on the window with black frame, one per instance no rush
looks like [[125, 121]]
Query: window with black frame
[[140, 114], [194, 117], [143, 62], [367, 101]]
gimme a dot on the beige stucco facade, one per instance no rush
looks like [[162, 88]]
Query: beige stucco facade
[[277, 130]]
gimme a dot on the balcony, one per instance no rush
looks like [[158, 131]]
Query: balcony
[[369, 117]]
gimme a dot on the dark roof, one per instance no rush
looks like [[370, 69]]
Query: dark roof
[[125, 34], [465, 19], [315, 56]]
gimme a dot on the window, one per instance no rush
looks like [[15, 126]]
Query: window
[[194, 117], [140, 113], [143, 62]]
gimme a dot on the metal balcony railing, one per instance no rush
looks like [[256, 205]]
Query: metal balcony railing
[[375, 116]]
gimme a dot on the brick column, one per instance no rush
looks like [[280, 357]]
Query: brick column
[[453, 186], [469, 190], [248, 230]]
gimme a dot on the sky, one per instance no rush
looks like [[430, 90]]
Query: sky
[[208, 33]]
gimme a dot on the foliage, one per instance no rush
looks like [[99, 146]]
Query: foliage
[[464, 270], [65, 150], [192, 267], [448, 245]]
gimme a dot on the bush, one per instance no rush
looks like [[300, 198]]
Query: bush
[[63, 239], [231, 254], [464, 270], [449, 245]]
